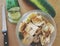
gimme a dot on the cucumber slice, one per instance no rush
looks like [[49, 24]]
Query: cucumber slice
[[13, 21], [14, 15], [14, 9]]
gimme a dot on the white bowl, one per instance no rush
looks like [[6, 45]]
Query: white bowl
[[47, 16]]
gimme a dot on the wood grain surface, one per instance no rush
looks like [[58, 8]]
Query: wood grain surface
[[12, 27]]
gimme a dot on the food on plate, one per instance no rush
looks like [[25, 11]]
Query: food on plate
[[35, 30]]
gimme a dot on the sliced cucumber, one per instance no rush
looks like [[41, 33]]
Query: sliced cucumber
[[14, 15], [13, 21], [14, 9]]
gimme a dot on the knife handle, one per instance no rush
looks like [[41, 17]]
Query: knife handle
[[5, 38]]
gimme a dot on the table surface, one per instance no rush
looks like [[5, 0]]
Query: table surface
[[11, 27]]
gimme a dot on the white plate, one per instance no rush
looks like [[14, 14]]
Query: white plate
[[47, 16]]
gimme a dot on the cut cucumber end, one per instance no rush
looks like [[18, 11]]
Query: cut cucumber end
[[14, 9], [13, 21], [14, 15]]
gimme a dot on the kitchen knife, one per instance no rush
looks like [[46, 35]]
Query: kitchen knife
[[4, 27]]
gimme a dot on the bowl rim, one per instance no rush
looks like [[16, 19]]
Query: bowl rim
[[44, 15]]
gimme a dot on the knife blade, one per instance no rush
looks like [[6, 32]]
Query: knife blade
[[4, 26]]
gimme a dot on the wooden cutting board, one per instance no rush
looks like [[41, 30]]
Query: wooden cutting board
[[25, 8]]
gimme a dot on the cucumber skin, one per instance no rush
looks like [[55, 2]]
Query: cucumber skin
[[44, 6], [11, 3]]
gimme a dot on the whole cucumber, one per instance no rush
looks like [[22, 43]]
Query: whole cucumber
[[44, 6]]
